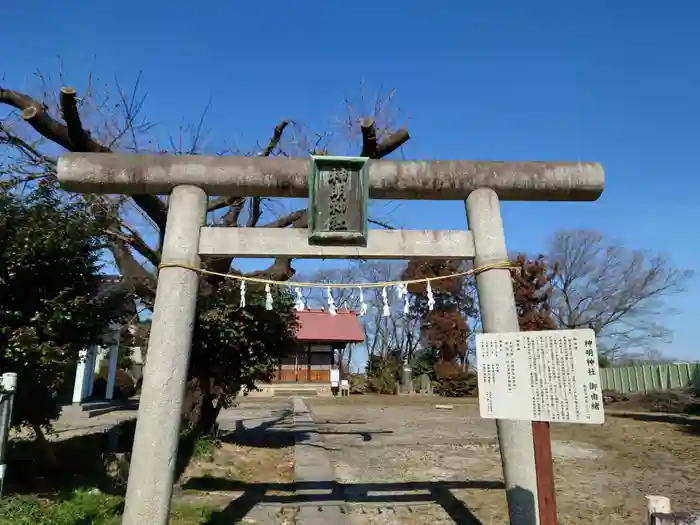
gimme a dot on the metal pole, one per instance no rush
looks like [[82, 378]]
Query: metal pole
[[8, 387], [160, 409], [498, 314]]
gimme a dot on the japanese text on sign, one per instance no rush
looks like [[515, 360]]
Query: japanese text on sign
[[540, 376], [338, 200]]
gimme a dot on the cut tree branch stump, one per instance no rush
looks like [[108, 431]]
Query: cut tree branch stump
[[69, 110]]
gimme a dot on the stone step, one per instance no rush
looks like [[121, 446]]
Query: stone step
[[291, 389], [296, 393], [295, 385], [90, 409]]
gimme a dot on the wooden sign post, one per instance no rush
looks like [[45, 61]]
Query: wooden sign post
[[544, 468]]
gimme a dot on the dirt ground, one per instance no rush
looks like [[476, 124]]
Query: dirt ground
[[451, 457], [241, 477], [229, 481]]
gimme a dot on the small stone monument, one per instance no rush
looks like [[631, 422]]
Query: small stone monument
[[426, 386]]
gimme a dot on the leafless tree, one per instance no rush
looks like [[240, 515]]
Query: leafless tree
[[620, 293], [36, 127], [397, 333]]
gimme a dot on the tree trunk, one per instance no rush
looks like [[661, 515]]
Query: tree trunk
[[43, 444], [210, 415], [199, 410]]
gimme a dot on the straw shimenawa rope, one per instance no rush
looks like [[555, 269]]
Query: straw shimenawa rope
[[473, 271]]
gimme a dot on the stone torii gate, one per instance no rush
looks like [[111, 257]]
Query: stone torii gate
[[190, 179]]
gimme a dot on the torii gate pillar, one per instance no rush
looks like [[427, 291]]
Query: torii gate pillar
[[498, 314], [154, 455]]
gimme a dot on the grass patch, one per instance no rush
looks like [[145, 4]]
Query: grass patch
[[204, 448], [78, 508], [87, 508], [191, 514]]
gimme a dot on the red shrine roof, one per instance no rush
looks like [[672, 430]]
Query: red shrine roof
[[320, 326]]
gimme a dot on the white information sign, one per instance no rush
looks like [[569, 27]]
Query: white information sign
[[550, 375]]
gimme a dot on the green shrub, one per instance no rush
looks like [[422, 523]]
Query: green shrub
[[383, 374], [463, 386], [453, 381], [383, 382], [358, 383]]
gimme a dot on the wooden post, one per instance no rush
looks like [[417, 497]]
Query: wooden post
[[544, 468], [308, 363], [296, 364]]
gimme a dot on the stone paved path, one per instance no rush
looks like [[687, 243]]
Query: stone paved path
[[313, 473]]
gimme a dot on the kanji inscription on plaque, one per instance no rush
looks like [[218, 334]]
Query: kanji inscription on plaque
[[551, 376], [338, 195]]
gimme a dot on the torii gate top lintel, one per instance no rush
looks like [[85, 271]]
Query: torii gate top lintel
[[284, 177]]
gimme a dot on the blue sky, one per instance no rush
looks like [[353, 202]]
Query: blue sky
[[615, 82]]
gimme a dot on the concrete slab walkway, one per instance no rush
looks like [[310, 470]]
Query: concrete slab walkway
[[316, 486]]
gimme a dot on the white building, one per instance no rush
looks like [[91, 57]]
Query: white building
[[91, 359]]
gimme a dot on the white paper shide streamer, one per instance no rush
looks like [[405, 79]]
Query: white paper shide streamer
[[402, 289], [268, 298], [431, 299], [242, 303], [386, 312], [331, 302], [363, 304], [299, 305]]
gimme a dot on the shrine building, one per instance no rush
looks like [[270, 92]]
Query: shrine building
[[321, 338]]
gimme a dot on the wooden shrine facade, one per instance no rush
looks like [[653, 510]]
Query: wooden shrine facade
[[320, 336]]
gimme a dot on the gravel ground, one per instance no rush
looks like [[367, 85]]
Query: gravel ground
[[451, 456], [402, 461]]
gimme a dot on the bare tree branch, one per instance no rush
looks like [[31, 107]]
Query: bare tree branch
[[369, 138], [280, 270], [221, 202], [135, 277], [136, 242], [38, 117], [275, 139], [382, 224], [392, 143], [255, 212], [288, 220], [91, 124], [69, 110], [27, 149], [231, 217], [615, 291]]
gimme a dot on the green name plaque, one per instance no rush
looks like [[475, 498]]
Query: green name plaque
[[338, 197]]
